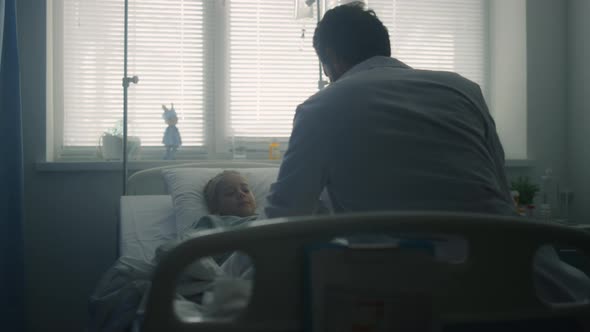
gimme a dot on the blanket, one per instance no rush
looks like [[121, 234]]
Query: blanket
[[211, 286]]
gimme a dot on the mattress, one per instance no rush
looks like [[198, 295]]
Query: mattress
[[146, 222]]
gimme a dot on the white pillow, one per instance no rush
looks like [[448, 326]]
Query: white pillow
[[146, 223], [186, 185]]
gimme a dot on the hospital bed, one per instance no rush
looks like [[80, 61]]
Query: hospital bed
[[147, 217], [279, 303], [148, 220]]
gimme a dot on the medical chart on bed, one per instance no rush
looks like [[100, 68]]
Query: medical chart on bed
[[362, 289]]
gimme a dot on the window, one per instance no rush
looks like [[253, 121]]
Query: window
[[232, 68], [168, 44], [438, 35], [272, 66]]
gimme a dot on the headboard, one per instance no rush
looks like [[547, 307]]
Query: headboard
[[151, 182]]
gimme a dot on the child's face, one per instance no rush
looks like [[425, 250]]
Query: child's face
[[234, 197]]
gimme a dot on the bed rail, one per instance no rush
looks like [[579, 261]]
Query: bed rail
[[496, 245]]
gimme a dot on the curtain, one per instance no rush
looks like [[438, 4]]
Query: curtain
[[11, 176]]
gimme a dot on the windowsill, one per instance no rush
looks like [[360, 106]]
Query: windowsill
[[116, 166]]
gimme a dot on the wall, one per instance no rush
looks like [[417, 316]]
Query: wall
[[546, 91], [547, 87], [70, 224], [579, 106], [508, 74]]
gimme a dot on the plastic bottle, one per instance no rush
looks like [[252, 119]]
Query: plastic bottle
[[547, 195], [238, 150]]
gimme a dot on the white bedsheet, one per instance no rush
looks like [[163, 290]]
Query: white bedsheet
[[146, 222]]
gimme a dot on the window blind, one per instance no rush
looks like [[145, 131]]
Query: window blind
[[448, 35], [273, 69], [272, 66], [167, 43]]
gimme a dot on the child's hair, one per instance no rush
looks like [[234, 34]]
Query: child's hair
[[210, 190]]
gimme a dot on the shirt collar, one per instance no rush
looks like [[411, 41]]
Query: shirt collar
[[375, 62]]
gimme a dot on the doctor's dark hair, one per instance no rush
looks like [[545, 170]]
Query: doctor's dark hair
[[353, 33]]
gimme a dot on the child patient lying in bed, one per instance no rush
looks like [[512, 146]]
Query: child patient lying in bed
[[232, 205], [119, 298], [229, 200]]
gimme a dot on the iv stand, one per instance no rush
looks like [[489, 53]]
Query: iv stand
[[126, 81], [321, 82]]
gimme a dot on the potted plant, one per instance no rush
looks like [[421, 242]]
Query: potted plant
[[110, 146], [526, 193]]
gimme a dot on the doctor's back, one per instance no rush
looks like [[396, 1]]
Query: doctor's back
[[384, 136]]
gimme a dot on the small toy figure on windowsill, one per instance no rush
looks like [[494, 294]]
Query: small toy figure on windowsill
[[171, 140]]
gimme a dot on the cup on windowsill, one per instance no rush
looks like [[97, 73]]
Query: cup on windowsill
[[240, 153]]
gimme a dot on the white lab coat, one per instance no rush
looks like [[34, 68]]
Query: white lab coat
[[388, 137]]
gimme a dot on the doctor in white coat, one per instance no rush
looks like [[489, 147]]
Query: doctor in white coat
[[385, 136]]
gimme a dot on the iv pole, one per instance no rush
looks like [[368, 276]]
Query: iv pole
[[126, 81], [135, 79], [321, 82]]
